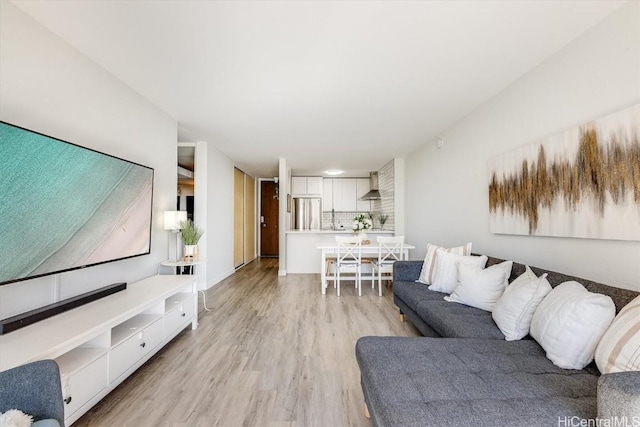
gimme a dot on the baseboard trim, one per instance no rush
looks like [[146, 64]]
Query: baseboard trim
[[282, 272], [219, 278]]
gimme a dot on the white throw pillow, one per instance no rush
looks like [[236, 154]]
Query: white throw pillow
[[446, 273], [515, 308], [15, 418], [619, 348], [525, 277], [481, 288], [569, 322], [429, 264]]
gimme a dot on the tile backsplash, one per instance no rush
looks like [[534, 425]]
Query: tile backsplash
[[385, 206]]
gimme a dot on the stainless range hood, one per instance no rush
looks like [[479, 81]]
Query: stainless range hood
[[374, 193]]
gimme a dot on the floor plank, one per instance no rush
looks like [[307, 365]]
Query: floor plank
[[272, 352]]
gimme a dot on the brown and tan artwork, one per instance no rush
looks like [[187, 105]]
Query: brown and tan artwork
[[584, 182]]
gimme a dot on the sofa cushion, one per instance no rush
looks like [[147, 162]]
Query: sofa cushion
[[453, 320], [413, 293], [46, 423], [469, 382]]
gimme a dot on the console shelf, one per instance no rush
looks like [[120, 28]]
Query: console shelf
[[100, 344]]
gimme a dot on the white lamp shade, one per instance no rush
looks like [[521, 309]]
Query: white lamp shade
[[172, 219]]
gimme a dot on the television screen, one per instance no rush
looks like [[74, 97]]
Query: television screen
[[65, 207]]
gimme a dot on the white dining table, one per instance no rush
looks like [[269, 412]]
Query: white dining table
[[369, 251]]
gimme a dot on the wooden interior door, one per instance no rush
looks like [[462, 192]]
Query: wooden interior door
[[269, 220]]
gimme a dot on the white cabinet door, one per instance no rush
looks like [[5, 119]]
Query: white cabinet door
[[348, 195], [362, 188], [306, 185], [314, 185], [337, 195], [298, 185], [327, 194], [80, 387]]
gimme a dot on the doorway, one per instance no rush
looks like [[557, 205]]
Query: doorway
[[269, 219]]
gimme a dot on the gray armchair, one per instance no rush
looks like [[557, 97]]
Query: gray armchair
[[34, 389]]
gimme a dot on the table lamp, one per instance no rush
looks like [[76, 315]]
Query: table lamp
[[172, 221]]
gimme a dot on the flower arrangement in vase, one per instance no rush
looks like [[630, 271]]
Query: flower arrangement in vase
[[361, 223]]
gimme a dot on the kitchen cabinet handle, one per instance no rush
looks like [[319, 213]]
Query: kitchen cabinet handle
[[183, 314], [67, 400], [143, 344]]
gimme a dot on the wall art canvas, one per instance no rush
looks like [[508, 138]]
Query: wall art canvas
[[584, 182]]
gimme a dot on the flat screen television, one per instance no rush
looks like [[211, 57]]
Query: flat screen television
[[64, 207]]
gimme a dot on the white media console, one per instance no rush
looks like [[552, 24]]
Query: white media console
[[98, 345]]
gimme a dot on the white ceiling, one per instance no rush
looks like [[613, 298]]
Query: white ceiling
[[325, 84]]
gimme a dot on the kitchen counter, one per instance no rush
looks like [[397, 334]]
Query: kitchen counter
[[302, 247], [343, 231]]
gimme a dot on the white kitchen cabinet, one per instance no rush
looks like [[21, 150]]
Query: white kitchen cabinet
[[298, 185], [327, 194], [362, 188], [344, 195], [306, 185], [314, 185]]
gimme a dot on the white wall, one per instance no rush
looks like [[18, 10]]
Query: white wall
[[48, 86], [447, 189], [284, 218], [217, 175]]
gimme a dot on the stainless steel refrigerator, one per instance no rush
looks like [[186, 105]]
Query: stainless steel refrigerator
[[307, 213]]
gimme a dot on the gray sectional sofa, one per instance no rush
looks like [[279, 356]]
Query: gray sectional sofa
[[463, 372]]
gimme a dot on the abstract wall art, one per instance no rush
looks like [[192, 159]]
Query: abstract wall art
[[584, 182]]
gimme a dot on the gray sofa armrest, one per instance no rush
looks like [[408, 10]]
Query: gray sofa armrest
[[406, 271], [619, 395], [34, 389]]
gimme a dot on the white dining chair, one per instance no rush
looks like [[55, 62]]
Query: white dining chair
[[349, 259], [390, 250]]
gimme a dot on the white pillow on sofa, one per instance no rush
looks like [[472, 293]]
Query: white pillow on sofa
[[618, 350], [481, 288], [445, 278], [515, 308], [429, 264], [569, 323], [15, 418]]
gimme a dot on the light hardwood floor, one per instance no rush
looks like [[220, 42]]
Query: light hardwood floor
[[272, 352]]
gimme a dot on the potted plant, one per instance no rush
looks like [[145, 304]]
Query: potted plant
[[190, 234], [383, 220]]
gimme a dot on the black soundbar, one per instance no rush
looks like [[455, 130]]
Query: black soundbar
[[27, 318]]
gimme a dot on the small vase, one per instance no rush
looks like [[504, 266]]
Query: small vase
[[191, 251], [363, 235]]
